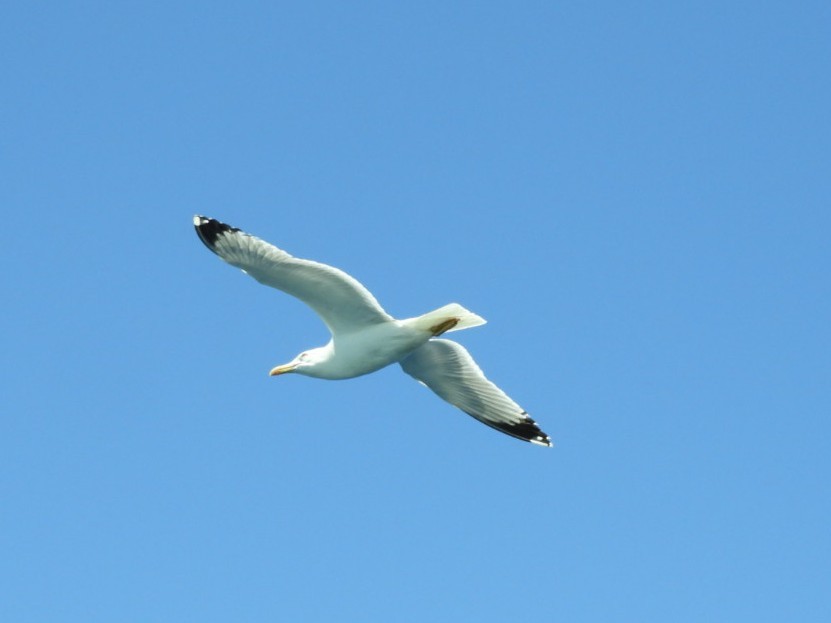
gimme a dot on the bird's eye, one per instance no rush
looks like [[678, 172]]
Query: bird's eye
[[304, 357]]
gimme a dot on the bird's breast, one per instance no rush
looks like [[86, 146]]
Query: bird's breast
[[372, 349]]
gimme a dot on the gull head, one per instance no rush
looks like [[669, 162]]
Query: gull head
[[303, 363]]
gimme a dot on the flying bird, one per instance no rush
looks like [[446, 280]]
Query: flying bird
[[365, 338]]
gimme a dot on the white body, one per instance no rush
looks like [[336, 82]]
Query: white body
[[362, 352]]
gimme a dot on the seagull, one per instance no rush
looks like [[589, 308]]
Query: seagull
[[365, 338]]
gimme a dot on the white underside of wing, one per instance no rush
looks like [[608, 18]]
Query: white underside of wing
[[448, 369], [342, 302]]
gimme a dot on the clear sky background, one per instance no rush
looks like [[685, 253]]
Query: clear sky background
[[635, 195]]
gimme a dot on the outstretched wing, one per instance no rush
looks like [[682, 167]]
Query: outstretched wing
[[340, 300], [448, 369]]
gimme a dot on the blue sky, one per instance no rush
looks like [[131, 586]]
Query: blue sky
[[636, 196]]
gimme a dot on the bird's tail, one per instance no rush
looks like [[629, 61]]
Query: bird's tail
[[452, 317]]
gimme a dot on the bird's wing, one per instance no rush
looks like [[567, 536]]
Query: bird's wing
[[448, 369], [340, 300]]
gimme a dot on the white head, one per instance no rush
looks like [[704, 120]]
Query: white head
[[304, 363]]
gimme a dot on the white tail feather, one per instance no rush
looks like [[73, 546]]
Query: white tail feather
[[444, 315]]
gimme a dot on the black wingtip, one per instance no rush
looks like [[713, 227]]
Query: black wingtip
[[210, 229], [529, 431], [526, 430]]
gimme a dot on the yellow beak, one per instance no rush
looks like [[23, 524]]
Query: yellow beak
[[282, 369]]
